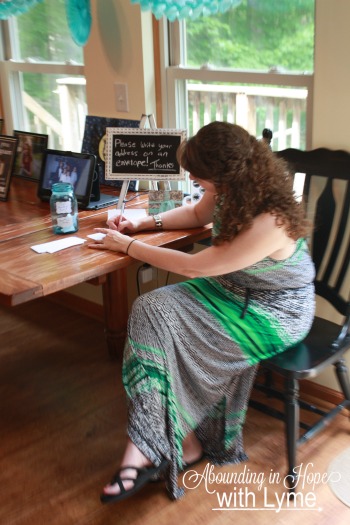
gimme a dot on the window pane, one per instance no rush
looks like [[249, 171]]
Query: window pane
[[43, 34], [55, 105], [256, 35], [281, 109]]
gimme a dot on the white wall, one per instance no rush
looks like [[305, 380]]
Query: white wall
[[331, 122], [119, 49]]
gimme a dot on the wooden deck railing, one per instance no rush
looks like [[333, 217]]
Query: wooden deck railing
[[280, 109], [41, 121], [66, 134]]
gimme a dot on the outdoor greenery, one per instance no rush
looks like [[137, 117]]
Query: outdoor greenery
[[256, 35], [43, 36]]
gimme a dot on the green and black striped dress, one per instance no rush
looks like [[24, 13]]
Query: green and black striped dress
[[192, 351]]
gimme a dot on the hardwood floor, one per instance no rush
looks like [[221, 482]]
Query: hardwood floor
[[62, 428]]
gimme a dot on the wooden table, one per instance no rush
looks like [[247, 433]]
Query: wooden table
[[26, 275]]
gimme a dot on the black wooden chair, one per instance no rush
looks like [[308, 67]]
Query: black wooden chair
[[326, 193]]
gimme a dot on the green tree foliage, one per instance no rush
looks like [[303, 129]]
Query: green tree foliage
[[43, 35], [258, 35]]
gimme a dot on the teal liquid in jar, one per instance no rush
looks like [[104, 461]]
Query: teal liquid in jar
[[64, 208]]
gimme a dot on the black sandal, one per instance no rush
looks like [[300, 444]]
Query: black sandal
[[144, 475]]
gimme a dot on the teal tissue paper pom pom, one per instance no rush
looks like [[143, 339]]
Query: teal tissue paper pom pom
[[79, 20], [10, 8], [185, 9]]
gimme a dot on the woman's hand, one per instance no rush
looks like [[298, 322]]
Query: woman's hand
[[123, 225], [113, 240]]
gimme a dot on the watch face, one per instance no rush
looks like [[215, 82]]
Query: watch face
[[158, 221]]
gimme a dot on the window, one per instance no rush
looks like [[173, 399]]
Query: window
[[42, 76], [252, 65]]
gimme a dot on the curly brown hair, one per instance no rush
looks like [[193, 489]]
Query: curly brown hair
[[249, 179]]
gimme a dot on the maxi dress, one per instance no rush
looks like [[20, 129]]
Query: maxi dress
[[192, 352]]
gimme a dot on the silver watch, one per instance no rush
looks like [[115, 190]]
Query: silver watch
[[158, 222]]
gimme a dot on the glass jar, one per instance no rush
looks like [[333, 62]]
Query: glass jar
[[64, 208]]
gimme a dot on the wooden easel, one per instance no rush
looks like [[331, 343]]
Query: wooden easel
[[154, 184]]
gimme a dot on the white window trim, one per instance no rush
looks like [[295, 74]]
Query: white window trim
[[10, 79], [174, 75], [11, 85]]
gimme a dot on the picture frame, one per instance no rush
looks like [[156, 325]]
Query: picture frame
[[78, 169], [1, 125], [29, 156], [144, 154], [8, 148], [94, 141]]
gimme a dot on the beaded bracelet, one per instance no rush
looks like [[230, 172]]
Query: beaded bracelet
[[130, 243]]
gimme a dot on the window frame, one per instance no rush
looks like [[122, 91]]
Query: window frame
[[174, 76], [10, 75]]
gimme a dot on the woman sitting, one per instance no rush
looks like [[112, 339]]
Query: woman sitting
[[192, 348]]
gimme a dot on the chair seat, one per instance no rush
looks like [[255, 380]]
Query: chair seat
[[308, 358]]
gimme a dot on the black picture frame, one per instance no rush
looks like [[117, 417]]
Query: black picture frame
[[54, 161], [8, 147], [29, 157], [94, 141]]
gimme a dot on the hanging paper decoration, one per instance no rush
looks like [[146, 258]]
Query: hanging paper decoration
[[10, 8], [79, 20], [181, 9]]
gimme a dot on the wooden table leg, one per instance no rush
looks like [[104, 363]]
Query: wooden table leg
[[115, 303]]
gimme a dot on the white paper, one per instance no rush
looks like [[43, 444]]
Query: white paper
[[130, 213], [56, 246]]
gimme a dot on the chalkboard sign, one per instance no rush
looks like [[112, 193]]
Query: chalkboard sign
[[148, 154]]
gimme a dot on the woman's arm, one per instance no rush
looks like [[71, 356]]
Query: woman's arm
[[187, 216], [263, 239]]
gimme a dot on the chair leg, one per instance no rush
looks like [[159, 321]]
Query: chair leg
[[268, 381], [342, 372], [292, 427]]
